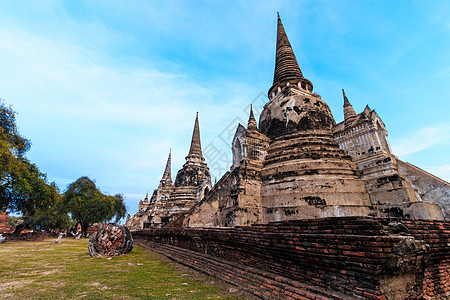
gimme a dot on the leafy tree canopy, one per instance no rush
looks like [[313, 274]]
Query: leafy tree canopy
[[23, 188], [88, 205], [12, 221], [52, 218]]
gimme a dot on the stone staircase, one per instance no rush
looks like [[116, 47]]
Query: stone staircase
[[264, 285]]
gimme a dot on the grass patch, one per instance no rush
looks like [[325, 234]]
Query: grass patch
[[45, 270]]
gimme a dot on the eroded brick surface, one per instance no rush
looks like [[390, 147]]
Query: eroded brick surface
[[4, 222], [370, 258], [110, 240]]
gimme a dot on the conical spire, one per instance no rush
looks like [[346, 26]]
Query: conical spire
[[287, 71], [146, 197], [286, 66], [196, 149], [346, 102], [251, 120], [349, 112], [167, 176]]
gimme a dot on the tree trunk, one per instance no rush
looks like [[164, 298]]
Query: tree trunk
[[84, 228]]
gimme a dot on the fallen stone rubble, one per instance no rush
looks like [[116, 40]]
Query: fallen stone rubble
[[111, 240]]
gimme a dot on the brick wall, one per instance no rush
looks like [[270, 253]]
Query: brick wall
[[436, 235], [4, 222], [365, 257]]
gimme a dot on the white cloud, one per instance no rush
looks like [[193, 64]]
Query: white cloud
[[424, 138], [442, 172], [86, 114]]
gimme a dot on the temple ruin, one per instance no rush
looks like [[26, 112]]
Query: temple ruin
[[310, 209], [297, 164], [192, 183]]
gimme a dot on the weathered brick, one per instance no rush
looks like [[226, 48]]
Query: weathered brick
[[313, 259]]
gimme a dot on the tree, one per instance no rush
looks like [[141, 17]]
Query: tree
[[88, 205], [120, 209], [52, 218], [12, 221], [23, 188]]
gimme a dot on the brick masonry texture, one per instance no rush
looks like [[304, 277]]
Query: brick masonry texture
[[362, 257], [110, 240], [4, 224]]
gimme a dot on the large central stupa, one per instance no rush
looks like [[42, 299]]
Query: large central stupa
[[305, 174]]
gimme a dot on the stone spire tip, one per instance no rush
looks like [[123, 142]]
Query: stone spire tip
[[251, 120], [286, 65], [196, 148], [346, 102], [167, 171], [349, 112]]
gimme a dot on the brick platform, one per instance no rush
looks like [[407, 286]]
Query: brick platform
[[367, 258], [255, 281]]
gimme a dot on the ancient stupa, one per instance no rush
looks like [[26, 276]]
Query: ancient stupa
[[300, 164], [305, 174]]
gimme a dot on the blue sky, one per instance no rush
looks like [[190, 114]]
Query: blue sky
[[106, 88]]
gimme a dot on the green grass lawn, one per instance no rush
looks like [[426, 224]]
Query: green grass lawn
[[45, 270]]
